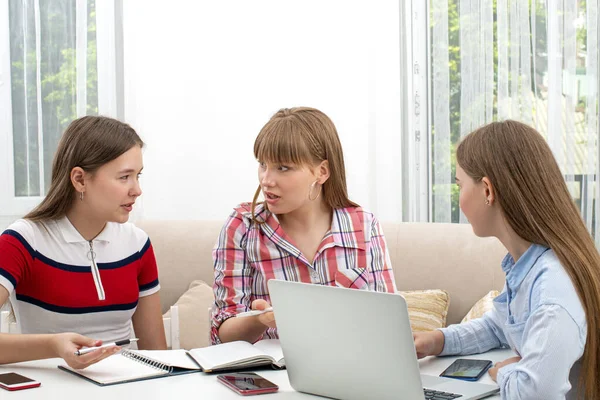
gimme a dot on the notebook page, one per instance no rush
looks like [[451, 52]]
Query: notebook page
[[117, 368], [225, 354], [173, 358], [272, 347]]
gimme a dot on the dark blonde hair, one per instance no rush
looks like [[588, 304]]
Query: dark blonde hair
[[88, 142], [305, 136], [537, 205]]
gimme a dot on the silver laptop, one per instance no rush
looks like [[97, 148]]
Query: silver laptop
[[354, 344]]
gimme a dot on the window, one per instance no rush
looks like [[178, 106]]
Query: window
[[533, 61], [50, 72]]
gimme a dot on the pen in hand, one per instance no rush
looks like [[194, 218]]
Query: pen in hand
[[254, 312], [86, 350]]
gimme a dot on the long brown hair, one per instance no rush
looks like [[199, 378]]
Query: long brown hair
[[305, 136], [89, 142], [537, 205]]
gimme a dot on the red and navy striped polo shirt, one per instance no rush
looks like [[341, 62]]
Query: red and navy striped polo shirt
[[60, 282]]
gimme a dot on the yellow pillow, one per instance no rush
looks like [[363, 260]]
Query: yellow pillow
[[427, 309], [194, 323], [482, 306]]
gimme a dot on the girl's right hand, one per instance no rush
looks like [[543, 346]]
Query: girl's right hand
[[66, 344], [428, 343], [268, 318]]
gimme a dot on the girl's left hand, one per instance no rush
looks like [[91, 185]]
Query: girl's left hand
[[268, 318], [494, 370]]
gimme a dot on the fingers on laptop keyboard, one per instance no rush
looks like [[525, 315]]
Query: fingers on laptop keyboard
[[436, 395]]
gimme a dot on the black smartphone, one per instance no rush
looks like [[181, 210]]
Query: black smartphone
[[466, 369], [13, 381], [247, 383]]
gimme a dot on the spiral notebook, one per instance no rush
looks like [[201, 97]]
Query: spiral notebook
[[136, 365]]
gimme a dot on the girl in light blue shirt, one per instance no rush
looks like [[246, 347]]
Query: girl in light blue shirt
[[549, 311]]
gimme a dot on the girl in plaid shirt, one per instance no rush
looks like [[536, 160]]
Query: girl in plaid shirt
[[306, 230]]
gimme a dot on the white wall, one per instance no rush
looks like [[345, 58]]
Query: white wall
[[5, 221], [202, 78]]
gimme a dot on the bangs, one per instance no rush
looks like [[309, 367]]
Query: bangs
[[282, 142]]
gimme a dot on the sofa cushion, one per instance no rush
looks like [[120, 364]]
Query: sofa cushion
[[183, 252], [447, 256], [194, 320], [482, 306], [427, 309]]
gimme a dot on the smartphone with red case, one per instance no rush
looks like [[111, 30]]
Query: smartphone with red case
[[12, 381], [247, 383]]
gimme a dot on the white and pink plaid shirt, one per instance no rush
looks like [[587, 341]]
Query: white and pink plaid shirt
[[352, 254]]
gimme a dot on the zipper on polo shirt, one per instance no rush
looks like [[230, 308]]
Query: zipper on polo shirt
[[96, 272]]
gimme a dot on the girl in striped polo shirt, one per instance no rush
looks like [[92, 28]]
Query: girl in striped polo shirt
[[74, 264]]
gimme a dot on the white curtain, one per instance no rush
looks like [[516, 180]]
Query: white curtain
[[58, 65], [53, 80], [536, 62]]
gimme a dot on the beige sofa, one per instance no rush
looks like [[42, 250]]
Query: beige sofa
[[424, 256]]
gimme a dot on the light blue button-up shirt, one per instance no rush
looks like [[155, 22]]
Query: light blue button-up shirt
[[539, 316]]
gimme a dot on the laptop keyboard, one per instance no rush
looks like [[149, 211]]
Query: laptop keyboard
[[437, 395]]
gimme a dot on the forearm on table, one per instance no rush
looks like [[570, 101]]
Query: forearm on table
[[17, 347], [476, 336], [249, 329]]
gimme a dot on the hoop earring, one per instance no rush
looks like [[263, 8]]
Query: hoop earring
[[312, 186], [81, 196]]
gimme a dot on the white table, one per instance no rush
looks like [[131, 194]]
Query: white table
[[60, 385]]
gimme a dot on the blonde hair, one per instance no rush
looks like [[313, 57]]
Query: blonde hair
[[537, 205], [305, 136], [88, 142]]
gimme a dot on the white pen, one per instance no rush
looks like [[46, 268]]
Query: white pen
[[81, 352], [254, 312]]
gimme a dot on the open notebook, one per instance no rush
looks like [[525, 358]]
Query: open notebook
[[136, 365], [237, 355]]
